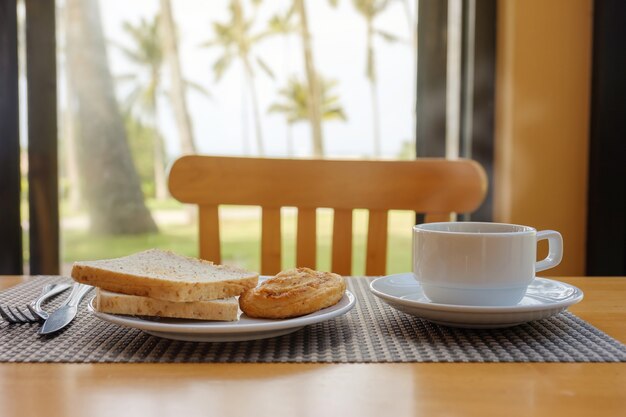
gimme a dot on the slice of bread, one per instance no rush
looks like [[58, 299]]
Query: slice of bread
[[114, 303], [165, 275]]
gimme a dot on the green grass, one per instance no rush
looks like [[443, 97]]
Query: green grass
[[240, 233], [168, 204], [80, 245]]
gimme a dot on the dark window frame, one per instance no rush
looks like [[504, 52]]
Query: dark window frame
[[43, 200], [43, 188], [606, 214], [11, 257], [478, 62]]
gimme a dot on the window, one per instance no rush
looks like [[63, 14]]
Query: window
[[140, 83]]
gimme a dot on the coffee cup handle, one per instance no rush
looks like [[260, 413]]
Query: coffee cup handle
[[555, 250]]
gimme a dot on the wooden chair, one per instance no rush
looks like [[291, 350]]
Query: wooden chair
[[435, 187]]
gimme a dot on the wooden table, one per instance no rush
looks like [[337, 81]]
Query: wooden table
[[433, 389]]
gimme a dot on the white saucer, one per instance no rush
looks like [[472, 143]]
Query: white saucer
[[245, 328], [544, 298]]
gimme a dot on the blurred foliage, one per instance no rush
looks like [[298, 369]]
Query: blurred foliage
[[295, 101], [141, 147], [407, 150], [146, 55]]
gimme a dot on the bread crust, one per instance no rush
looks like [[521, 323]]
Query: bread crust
[[293, 293]]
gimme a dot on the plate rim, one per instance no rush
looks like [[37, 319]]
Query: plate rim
[[208, 327], [574, 299]]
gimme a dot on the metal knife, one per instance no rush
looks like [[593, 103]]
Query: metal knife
[[62, 316]]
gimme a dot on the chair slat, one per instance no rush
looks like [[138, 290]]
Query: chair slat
[[342, 242], [425, 185], [209, 228], [376, 254], [270, 241], [306, 238], [439, 217]]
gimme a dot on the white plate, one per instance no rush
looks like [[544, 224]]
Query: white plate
[[544, 298], [245, 328]]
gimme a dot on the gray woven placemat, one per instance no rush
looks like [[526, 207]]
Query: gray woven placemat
[[371, 332]]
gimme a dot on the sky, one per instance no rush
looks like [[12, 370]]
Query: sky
[[222, 122]]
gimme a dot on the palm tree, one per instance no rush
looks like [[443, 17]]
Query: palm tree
[[314, 90], [146, 53], [178, 84], [110, 182], [370, 10], [295, 104], [283, 25], [236, 40]]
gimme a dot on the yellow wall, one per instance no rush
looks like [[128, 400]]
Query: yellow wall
[[542, 120]]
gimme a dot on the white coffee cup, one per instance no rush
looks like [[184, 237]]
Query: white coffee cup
[[480, 264]]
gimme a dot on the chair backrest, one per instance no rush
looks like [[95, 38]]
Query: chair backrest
[[435, 187]]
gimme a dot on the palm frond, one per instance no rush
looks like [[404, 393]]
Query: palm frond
[[221, 65], [295, 101], [146, 47], [149, 96], [282, 24], [198, 88], [369, 9], [335, 113], [133, 56], [279, 108], [379, 6], [224, 33], [328, 84], [387, 36], [331, 101], [253, 39], [208, 44], [265, 68], [129, 103], [131, 30]]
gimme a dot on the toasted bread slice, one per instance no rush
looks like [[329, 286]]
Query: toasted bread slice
[[165, 275], [109, 302]]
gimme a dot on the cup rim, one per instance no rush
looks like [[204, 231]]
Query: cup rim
[[424, 227]]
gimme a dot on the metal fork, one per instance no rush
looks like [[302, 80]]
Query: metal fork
[[16, 316]]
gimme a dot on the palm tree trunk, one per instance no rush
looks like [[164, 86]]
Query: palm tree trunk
[[69, 136], [255, 107], [290, 150], [160, 180], [177, 89], [69, 132], [245, 137], [243, 55], [286, 60], [375, 118], [371, 70], [315, 117], [110, 182]]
